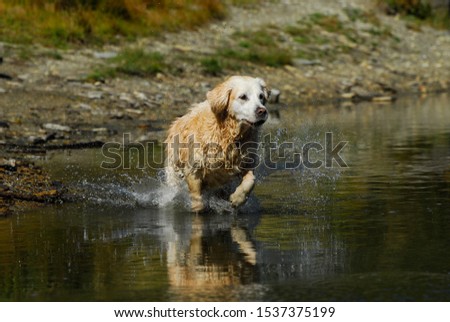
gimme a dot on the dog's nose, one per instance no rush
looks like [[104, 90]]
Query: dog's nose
[[261, 111]]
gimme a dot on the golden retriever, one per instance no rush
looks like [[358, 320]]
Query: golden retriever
[[217, 140]]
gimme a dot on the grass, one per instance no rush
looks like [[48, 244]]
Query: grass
[[417, 13], [259, 47], [304, 35], [245, 3], [438, 20], [330, 23], [355, 14], [417, 8], [62, 23], [319, 36], [212, 66], [319, 32], [130, 62]]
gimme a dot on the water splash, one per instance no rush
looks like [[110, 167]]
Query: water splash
[[129, 191]]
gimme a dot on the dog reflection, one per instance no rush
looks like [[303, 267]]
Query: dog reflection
[[210, 259]]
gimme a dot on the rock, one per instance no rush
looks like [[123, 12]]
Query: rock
[[7, 163], [274, 95], [100, 130], [361, 93], [382, 99], [133, 111], [56, 127], [36, 139], [24, 77], [50, 136], [348, 96], [305, 62], [205, 86], [95, 95], [84, 107], [120, 116], [140, 96], [2, 90], [127, 98], [105, 55], [4, 125]]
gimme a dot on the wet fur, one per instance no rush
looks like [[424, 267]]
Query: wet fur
[[213, 121]]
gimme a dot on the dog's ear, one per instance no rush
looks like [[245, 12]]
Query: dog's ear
[[219, 98], [264, 88]]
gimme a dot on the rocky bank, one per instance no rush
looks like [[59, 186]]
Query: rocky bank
[[339, 51]]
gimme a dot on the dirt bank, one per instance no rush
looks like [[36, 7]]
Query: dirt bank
[[313, 51]]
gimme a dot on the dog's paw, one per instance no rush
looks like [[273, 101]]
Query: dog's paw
[[237, 199]]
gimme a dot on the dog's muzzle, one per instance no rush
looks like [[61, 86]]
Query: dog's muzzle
[[261, 115]]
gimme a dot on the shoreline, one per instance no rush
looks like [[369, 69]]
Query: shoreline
[[315, 53]]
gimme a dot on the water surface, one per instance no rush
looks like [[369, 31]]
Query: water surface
[[376, 230]]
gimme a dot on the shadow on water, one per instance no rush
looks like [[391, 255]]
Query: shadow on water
[[374, 231]]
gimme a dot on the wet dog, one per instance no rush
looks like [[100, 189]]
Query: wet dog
[[216, 141]]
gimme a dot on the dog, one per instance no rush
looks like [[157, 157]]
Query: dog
[[217, 140]]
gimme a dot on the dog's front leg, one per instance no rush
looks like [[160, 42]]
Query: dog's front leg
[[242, 191], [195, 189]]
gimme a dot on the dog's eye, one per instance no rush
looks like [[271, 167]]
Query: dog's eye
[[243, 97], [262, 98]]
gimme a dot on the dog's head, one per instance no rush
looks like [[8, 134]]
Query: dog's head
[[241, 97]]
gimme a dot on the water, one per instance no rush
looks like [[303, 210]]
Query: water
[[377, 230]]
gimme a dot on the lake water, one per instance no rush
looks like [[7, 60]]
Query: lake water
[[376, 228]]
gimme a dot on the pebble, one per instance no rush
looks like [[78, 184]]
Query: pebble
[[2, 90], [120, 116], [100, 130], [105, 55], [305, 62], [127, 98], [383, 98], [84, 107], [361, 92], [348, 95], [95, 95], [56, 127], [8, 162], [133, 111], [140, 96], [36, 140], [24, 77]]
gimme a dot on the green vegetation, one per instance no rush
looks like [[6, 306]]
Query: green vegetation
[[330, 23], [245, 3], [212, 66], [355, 14], [315, 32], [63, 22], [417, 8], [259, 47], [133, 62], [304, 35], [318, 36], [417, 12], [139, 63]]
